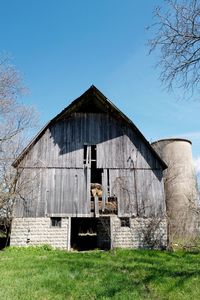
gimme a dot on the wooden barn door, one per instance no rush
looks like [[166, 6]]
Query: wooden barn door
[[122, 185]]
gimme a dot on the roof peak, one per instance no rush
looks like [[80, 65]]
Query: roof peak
[[87, 104]]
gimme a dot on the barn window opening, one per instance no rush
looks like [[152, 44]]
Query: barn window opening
[[93, 153], [96, 174], [125, 222], [84, 154], [55, 222]]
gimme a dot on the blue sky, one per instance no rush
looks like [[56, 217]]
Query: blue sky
[[62, 47]]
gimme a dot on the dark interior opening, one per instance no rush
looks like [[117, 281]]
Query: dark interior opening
[[4, 236], [92, 105], [84, 153], [125, 222], [83, 234], [90, 233], [96, 174], [55, 222]]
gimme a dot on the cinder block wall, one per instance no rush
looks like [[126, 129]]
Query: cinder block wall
[[142, 233], [38, 231]]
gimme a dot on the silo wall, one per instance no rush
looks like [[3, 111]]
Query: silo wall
[[180, 187]]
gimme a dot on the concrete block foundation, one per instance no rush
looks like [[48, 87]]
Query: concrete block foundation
[[122, 232], [39, 231]]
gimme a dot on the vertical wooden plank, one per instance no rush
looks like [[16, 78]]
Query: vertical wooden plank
[[104, 188], [38, 191], [43, 155], [88, 168], [87, 187], [96, 206], [76, 189], [65, 144]]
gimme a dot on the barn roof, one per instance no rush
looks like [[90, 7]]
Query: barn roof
[[90, 101]]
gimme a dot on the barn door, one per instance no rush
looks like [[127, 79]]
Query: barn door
[[122, 186]]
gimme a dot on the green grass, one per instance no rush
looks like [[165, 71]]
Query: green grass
[[42, 273]]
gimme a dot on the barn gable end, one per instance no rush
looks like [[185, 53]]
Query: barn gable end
[[91, 161]]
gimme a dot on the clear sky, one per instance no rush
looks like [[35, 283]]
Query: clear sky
[[62, 47]]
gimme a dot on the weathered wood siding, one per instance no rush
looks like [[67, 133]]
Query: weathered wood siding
[[59, 180], [62, 144], [139, 192], [53, 192]]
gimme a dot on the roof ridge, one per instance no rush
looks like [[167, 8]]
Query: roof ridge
[[71, 107]]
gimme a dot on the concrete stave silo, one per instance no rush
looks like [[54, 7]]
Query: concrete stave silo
[[180, 187]]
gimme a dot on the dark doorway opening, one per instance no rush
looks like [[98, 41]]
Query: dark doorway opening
[[90, 233], [83, 234], [4, 236]]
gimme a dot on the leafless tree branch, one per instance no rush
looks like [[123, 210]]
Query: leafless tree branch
[[177, 38], [16, 120]]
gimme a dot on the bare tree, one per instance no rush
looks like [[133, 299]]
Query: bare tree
[[177, 38], [16, 120]]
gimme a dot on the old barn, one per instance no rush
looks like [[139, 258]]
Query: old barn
[[90, 179]]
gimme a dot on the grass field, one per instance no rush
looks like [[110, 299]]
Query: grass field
[[42, 273]]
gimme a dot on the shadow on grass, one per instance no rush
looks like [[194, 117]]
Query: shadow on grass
[[112, 278], [99, 275]]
